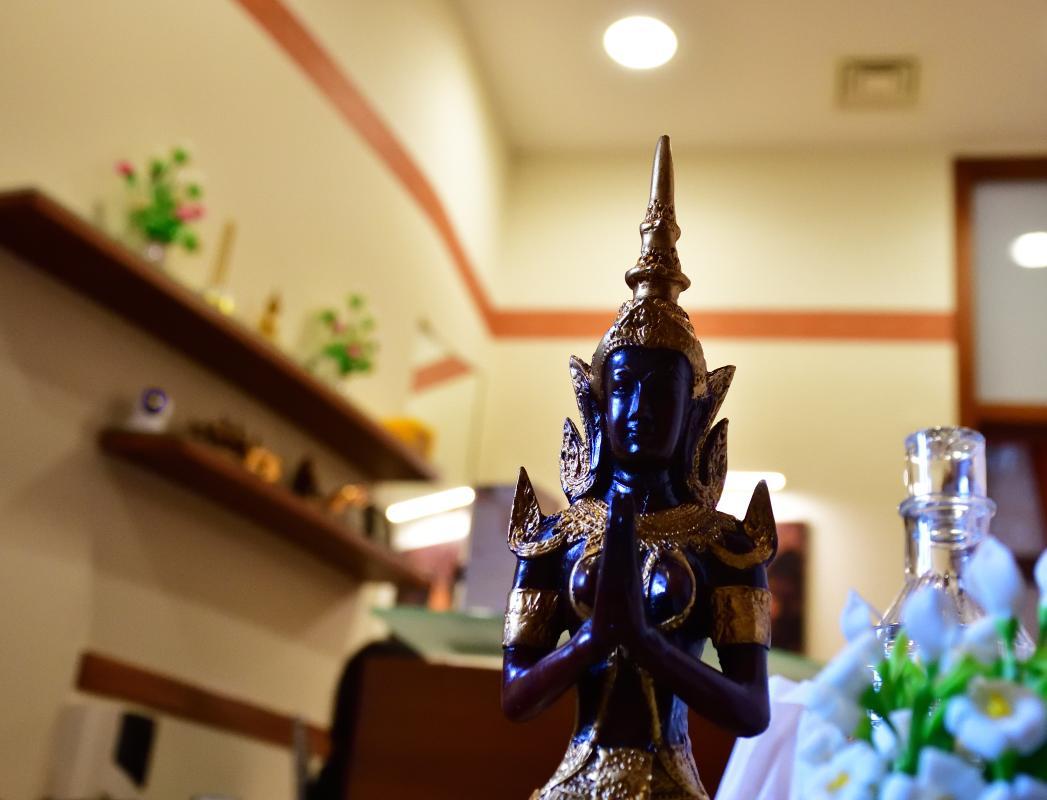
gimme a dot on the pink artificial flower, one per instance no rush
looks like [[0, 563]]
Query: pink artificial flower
[[338, 326], [354, 350], [189, 211], [125, 168]]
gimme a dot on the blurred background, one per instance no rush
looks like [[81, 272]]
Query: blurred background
[[290, 287]]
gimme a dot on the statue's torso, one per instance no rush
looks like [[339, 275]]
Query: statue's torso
[[682, 553]]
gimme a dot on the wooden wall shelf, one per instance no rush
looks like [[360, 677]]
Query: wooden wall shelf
[[212, 473], [53, 239]]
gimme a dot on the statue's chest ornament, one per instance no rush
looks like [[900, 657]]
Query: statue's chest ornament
[[669, 583], [669, 586]]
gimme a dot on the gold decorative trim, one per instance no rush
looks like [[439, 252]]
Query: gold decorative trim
[[741, 615], [651, 322], [525, 523], [686, 525], [530, 618], [621, 772], [760, 529]]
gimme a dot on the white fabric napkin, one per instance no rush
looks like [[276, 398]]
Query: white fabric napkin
[[761, 767]]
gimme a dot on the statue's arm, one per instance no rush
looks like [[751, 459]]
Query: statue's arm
[[535, 672], [734, 697], [737, 697]]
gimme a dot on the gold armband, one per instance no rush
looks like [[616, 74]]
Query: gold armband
[[741, 615], [529, 618]]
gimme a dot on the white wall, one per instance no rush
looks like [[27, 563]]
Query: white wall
[[95, 554], [761, 230]]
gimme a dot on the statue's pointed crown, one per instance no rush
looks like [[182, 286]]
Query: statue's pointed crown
[[653, 318]]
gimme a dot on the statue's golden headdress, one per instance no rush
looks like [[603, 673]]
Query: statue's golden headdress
[[653, 318]]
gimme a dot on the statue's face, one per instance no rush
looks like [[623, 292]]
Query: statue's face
[[647, 393]]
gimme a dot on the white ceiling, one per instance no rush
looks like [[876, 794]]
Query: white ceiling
[[762, 72]]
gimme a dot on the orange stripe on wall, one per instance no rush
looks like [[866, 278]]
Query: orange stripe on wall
[[902, 325], [438, 372], [293, 37], [329, 78]]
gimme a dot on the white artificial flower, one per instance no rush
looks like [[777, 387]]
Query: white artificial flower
[[1023, 788], [1027, 787], [835, 691], [851, 775], [929, 620], [941, 775], [980, 640], [1040, 573], [819, 740], [995, 716], [890, 739], [994, 579], [857, 616], [834, 707], [899, 786], [850, 670]]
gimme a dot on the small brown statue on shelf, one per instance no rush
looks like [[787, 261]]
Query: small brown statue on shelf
[[641, 569]]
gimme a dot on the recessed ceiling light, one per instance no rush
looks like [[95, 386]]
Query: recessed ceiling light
[[1030, 250], [640, 42]]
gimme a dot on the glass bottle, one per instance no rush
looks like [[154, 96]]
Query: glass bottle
[[946, 516]]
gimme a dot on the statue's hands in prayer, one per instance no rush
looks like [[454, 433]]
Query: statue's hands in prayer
[[618, 611]]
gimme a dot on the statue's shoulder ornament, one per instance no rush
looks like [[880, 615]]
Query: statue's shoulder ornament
[[740, 544], [531, 534], [752, 541]]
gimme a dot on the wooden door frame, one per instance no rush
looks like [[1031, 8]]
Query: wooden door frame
[[967, 174]]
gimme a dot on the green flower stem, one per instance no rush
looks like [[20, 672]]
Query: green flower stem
[[1041, 639], [920, 727], [1005, 767], [1008, 629]]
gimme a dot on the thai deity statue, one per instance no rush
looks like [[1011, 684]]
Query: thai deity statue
[[641, 569]]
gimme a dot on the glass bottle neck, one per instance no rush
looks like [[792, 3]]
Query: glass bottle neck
[[941, 535]]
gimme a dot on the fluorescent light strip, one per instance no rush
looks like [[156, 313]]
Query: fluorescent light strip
[[429, 504], [452, 526], [745, 481]]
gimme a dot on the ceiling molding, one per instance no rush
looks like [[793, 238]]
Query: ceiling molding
[[292, 36]]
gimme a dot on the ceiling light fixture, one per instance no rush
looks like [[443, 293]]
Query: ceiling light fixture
[[429, 504], [640, 42], [1030, 250]]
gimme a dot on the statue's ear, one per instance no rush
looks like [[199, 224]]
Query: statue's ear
[[709, 468], [719, 381], [579, 454], [706, 444]]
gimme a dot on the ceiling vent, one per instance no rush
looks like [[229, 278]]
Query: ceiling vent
[[881, 82]]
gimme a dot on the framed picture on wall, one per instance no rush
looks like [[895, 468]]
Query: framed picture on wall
[[787, 577]]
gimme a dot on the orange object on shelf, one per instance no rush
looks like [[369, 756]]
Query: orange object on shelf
[[412, 432]]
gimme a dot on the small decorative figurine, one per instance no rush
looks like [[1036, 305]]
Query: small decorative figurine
[[269, 322], [641, 569], [224, 434], [152, 413], [264, 463], [304, 482], [215, 293]]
